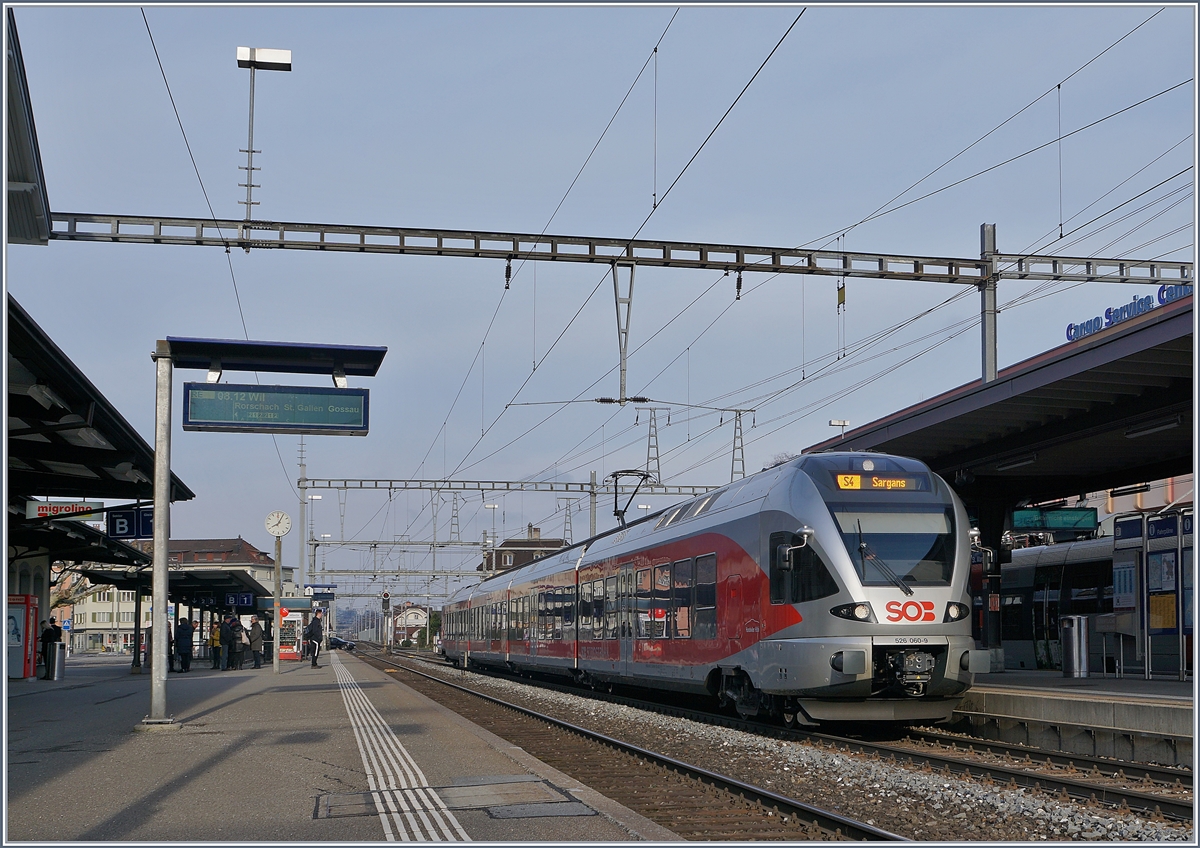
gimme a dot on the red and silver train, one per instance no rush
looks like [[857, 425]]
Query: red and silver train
[[832, 587]]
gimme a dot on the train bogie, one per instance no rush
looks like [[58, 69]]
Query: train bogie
[[831, 588]]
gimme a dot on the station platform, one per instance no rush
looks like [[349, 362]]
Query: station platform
[[1105, 716], [340, 753]]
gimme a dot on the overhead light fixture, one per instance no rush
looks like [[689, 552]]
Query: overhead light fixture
[[46, 396], [1016, 462], [264, 58], [1129, 490], [840, 422], [1154, 427], [127, 471], [93, 439]]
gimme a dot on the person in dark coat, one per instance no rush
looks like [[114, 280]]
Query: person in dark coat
[[313, 635], [256, 642], [237, 651], [47, 639], [183, 644], [226, 642]]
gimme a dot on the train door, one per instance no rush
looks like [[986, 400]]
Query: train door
[[625, 615], [734, 611], [1047, 588]]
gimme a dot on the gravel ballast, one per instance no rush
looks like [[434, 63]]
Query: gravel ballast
[[922, 805]]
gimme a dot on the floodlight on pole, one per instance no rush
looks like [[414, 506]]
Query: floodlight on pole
[[267, 59], [839, 422]]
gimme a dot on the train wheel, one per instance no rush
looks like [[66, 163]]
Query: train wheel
[[789, 719]]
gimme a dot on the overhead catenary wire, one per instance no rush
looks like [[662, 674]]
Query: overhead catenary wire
[[213, 216], [524, 257], [990, 132], [1060, 216], [644, 222]]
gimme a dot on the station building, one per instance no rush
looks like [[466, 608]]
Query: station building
[[517, 551], [102, 618]]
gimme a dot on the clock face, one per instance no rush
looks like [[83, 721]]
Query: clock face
[[279, 523]]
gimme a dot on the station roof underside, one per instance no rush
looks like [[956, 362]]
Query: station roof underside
[[68, 540], [65, 439], [184, 585], [28, 205], [1109, 410]]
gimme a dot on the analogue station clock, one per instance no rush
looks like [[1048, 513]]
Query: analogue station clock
[[279, 523]]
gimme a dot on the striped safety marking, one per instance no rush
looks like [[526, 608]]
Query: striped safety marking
[[408, 808]]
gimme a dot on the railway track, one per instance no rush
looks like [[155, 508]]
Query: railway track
[[1104, 766], [696, 803], [1136, 787]]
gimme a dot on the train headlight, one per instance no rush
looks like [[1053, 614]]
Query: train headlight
[[860, 611], [956, 612]]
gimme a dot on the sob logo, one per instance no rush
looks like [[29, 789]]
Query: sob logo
[[910, 611]]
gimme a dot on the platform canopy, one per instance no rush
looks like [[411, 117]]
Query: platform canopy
[[28, 204], [65, 439], [185, 585], [68, 540], [1109, 410], [286, 357]]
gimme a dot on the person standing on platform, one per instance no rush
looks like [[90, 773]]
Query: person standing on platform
[[256, 642], [226, 642], [47, 639], [183, 644], [237, 651], [313, 635], [214, 645]]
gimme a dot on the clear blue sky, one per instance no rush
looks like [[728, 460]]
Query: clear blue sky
[[479, 118]]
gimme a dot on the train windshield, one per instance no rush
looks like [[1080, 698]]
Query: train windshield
[[898, 544]]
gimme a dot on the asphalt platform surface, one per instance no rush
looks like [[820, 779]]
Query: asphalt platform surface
[[339, 753]]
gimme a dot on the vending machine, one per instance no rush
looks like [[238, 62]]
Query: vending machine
[[291, 632], [22, 636]]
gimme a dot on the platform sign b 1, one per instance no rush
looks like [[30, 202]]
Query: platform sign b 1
[[132, 523]]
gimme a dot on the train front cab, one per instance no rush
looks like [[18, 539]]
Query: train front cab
[[878, 572]]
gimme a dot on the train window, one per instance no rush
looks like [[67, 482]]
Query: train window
[[610, 608], [706, 597], [585, 610], [889, 544], [642, 595], [569, 606], [597, 609], [780, 575], [662, 602], [681, 621], [810, 576]]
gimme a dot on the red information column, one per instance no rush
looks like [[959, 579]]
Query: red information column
[[22, 635]]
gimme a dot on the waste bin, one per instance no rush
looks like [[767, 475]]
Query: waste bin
[[1074, 632], [58, 660]]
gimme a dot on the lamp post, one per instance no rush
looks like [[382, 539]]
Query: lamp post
[[267, 59], [839, 422]]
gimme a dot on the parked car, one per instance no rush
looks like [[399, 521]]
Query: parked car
[[340, 643]]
